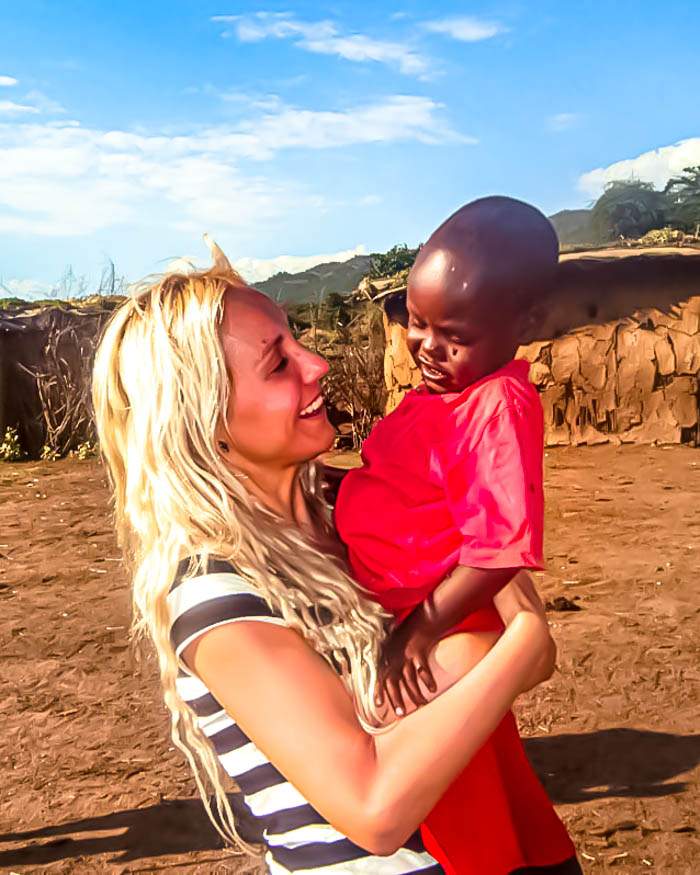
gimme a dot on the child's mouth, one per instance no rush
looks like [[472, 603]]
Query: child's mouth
[[430, 372]]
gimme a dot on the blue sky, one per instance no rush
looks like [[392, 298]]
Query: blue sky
[[296, 130]]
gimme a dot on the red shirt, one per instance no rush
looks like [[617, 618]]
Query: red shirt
[[447, 479]]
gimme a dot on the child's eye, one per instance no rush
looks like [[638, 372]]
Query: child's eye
[[281, 366]]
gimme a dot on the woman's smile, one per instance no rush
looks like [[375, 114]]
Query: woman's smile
[[315, 408]]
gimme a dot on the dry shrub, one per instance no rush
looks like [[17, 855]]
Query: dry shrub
[[355, 381], [63, 386]]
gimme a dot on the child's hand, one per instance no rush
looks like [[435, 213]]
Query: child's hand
[[404, 664]]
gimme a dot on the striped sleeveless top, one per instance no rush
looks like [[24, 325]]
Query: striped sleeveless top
[[296, 838]]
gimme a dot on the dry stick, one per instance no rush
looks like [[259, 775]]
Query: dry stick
[[63, 388]]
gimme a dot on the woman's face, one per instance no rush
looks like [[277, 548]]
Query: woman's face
[[276, 415]]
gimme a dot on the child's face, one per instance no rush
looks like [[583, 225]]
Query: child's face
[[456, 333]]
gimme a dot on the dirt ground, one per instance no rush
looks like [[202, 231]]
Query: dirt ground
[[91, 783]]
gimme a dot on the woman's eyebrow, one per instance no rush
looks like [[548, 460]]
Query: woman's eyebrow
[[269, 347]]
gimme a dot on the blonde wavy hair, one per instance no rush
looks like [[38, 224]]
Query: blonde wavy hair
[[160, 386]]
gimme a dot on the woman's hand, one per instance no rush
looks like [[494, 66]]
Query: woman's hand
[[519, 596], [519, 602]]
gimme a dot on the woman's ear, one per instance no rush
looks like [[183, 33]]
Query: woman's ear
[[222, 441]]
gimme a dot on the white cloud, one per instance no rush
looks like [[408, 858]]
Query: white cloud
[[256, 270], [9, 107], [8, 81], [563, 121], [25, 288], [399, 117], [246, 100], [465, 28], [35, 103], [324, 38], [656, 166], [60, 179], [43, 104], [264, 102]]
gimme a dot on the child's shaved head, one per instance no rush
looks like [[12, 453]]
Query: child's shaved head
[[496, 246], [474, 285]]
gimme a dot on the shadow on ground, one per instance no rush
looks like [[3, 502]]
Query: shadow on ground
[[177, 826], [612, 762], [574, 768]]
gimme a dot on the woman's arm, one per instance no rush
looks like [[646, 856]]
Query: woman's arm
[[374, 789]]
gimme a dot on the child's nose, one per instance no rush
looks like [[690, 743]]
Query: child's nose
[[429, 343]]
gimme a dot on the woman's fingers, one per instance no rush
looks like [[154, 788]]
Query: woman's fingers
[[506, 603], [529, 590], [517, 596]]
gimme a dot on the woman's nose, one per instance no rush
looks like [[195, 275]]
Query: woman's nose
[[313, 367]]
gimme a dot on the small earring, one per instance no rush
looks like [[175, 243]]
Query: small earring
[[223, 446]]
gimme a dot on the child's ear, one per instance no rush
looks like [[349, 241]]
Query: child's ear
[[531, 323]]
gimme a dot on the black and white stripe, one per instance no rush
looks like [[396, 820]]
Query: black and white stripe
[[297, 837]]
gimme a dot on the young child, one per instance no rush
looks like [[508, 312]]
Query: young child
[[448, 507]]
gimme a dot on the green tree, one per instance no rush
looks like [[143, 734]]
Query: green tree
[[628, 208], [683, 197], [398, 258]]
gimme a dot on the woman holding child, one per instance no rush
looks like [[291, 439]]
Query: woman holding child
[[276, 665]]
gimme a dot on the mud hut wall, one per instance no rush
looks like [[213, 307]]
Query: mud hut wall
[[620, 382], [23, 345]]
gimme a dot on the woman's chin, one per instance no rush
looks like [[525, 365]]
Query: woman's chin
[[321, 443], [327, 443]]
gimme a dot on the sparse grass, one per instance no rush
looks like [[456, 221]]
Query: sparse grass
[[10, 448]]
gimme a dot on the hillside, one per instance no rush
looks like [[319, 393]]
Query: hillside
[[293, 288], [573, 227]]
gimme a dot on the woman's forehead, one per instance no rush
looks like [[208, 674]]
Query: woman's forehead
[[250, 315]]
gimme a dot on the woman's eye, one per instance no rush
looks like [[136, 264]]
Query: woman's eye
[[281, 366]]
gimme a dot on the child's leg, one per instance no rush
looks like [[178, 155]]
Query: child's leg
[[457, 654]]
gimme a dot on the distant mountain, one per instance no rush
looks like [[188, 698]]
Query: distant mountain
[[337, 276], [573, 227]]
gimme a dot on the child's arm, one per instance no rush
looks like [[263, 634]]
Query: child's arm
[[407, 650]]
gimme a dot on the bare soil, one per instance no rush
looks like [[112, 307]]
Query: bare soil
[[92, 784]]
